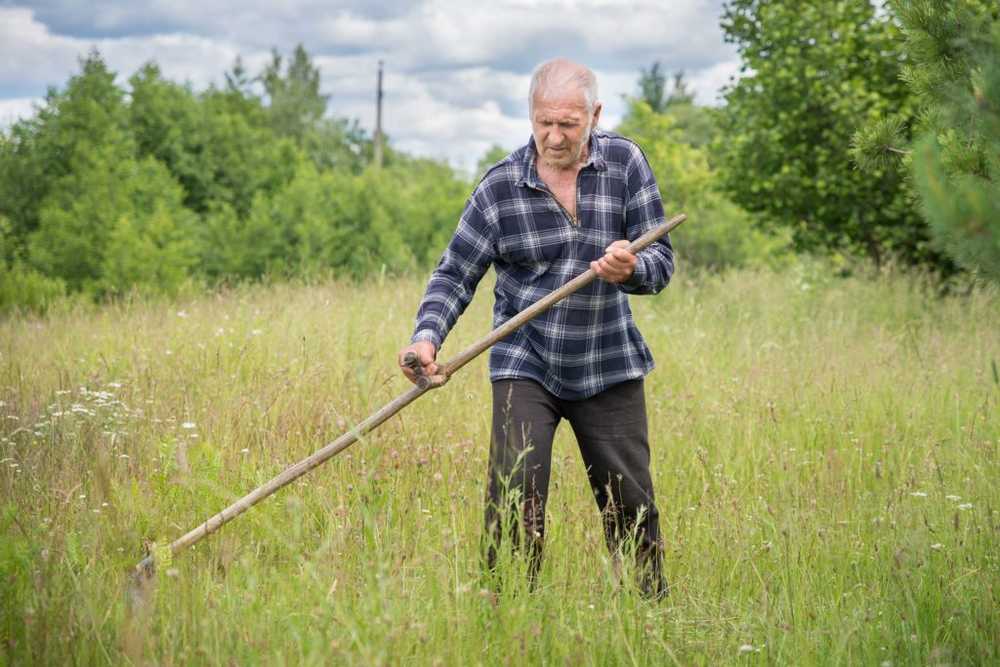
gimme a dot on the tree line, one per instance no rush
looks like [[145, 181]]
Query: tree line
[[106, 190], [855, 129], [867, 128]]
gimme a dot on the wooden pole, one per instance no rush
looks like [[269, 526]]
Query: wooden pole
[[378, 139], [425, 384]]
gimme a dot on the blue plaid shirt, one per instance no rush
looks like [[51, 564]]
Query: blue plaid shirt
[[587, 342]]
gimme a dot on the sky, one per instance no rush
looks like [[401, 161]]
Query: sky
[[456, 73]]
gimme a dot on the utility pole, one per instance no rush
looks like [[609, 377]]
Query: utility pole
[[378, 119]]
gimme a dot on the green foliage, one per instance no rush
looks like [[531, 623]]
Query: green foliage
[[105, 191], [953, 73], [39, 152], [22, 287], [494, 154], [152, 246], [721, 234], [296, 110], [165, 119], [379, 221], [295, 103], [112, 223], [695, 124], [814, 72], [240, 155], [964, 210]]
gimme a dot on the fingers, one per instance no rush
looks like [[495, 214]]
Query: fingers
[[425, 353], [617, 264]]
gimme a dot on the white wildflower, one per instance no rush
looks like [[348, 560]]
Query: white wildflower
[[918, 494], [189, 425], [937, 546], [965, 506], [746, 648]]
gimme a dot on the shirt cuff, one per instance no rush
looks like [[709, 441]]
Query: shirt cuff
[[428, 335], [636, 281]]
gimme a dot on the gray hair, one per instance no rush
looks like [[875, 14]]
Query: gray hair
[[560, 73]]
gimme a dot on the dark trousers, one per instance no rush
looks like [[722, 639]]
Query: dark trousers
[[611, 432]]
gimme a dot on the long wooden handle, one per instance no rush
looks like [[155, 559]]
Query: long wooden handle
[[289, 475]]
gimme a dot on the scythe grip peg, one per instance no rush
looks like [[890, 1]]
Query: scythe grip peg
[[424, 381]]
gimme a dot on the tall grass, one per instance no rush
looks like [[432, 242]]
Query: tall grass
[[825, 454]]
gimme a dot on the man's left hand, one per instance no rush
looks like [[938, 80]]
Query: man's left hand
[[617, 265]]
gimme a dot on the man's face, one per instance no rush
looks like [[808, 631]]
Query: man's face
[[561, 127]]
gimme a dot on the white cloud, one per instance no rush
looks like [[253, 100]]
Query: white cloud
[[17, 108], [456, 73], [707, 84]]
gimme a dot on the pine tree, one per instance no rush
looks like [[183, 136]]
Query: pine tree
[[949, 144], [652, 87], [295, 103]]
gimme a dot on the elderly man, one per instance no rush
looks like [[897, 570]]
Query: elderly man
[[566, 201]]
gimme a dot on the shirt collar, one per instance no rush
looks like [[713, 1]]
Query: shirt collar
[[529, 172]]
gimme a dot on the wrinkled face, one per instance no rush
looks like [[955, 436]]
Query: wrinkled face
[[561, 125]]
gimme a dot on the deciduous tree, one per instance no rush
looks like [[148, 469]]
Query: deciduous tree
[[813, 72]]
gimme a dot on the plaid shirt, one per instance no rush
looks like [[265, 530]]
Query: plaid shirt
[[587, 342]]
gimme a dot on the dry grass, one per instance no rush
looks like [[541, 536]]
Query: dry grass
[[825, 458]]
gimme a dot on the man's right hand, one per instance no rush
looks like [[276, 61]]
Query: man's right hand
[[426, 354]]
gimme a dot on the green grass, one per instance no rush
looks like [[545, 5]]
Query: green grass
[[825, 453]]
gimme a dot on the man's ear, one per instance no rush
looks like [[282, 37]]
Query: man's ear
[[597, 114]]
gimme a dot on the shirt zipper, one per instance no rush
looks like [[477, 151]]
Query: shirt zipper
[[573, 221]]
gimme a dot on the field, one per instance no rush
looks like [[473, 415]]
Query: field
[[826, 454]]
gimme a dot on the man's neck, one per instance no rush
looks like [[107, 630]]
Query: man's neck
[[562, 172]]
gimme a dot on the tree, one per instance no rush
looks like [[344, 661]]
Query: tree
[[679, 94], [295, 104], [69, 125], [814, 71], [722, 236], [695, 125], [113, 223], [949, 142], [652, 87], [296, 110], [165, 119]]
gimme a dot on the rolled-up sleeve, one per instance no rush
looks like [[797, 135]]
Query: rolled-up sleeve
[[644, 211], [453, 283]]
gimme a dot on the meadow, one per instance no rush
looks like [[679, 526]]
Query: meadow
[[826, 454]]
